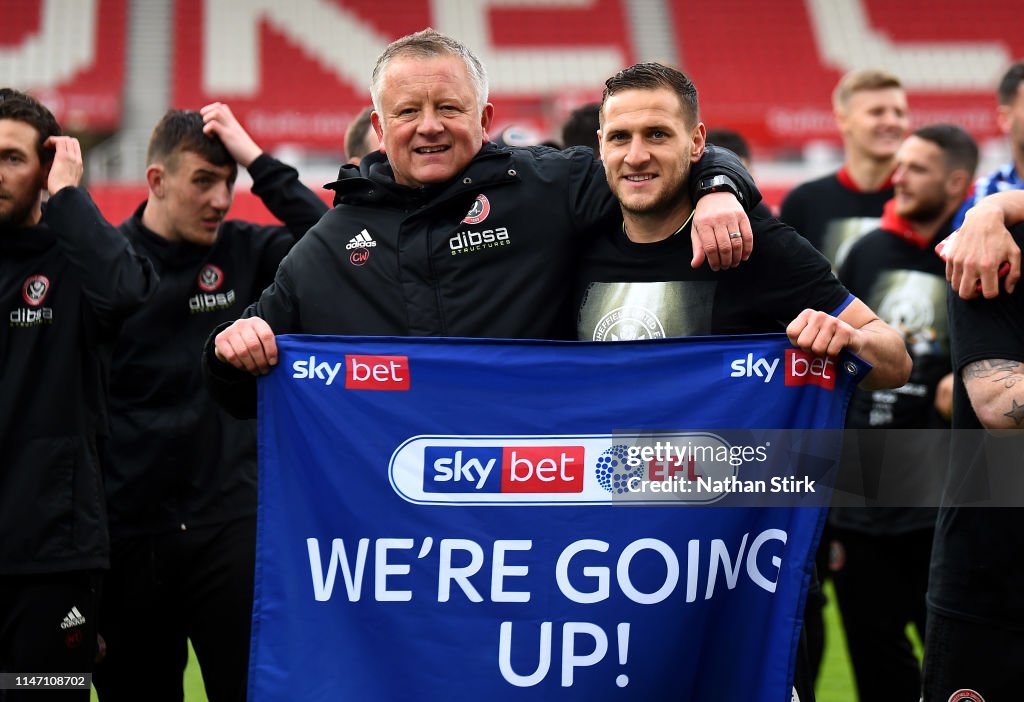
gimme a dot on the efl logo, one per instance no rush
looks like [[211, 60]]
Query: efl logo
[[524, 469], [807, 369], [376, 372]]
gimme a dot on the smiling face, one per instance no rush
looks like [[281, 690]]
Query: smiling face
[[648, 146], [430, 123], [22, 176], [874, 122], [194, 196]]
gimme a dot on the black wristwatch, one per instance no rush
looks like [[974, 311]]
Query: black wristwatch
[[718, 184]]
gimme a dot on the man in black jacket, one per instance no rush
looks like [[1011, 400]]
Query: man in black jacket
[[67, 280], [443, 234], [181, 474]]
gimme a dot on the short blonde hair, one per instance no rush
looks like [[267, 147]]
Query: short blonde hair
[[429, 43], [860, 80]]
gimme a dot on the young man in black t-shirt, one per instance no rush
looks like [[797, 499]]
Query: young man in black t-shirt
[[631, 283], [890, 453], [832, 212]]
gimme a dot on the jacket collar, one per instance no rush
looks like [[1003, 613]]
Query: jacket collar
[[173, 253], [373, 181]]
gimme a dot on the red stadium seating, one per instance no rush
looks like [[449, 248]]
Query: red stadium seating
[[71, 56], [760, 69]]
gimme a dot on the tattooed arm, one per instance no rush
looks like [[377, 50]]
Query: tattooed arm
[[996, 389]]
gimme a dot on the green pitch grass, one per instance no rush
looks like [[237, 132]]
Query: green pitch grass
[[834, 685]]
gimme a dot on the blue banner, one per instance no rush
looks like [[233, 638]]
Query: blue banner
[[498, 520]]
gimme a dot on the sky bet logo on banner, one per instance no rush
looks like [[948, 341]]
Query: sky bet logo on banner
[[513, 529], [510, 469], [799, 368], [361, 372]]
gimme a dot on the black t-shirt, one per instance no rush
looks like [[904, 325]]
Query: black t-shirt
[[628, 291], [832, 216], [906, 286], [977, 568]]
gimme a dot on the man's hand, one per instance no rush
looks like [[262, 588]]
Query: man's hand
[[220, 121], [248, 345], [859, 330], [67, 167], [981, 246], [822, 334], [716, 220]]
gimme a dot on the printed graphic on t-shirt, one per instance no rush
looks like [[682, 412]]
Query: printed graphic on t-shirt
[[842, 234], [914, 304], [631, 311]]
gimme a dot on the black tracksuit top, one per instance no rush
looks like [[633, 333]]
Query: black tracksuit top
[[175, 458], [65, 287]]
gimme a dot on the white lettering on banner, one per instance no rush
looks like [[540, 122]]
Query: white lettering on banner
[[447, 572], [64, 45], [570, 660], [588, 637], [597, 648], [323, 587], [317, 24], [749, 368], [454, 470], [755, 574], [846, 41], [499, 571], [593, 584], [311, 370], [382, 569], [505, 656]]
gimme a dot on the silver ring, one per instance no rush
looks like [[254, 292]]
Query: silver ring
[[735, 235]]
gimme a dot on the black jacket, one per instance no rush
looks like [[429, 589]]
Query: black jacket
[[174, 457], [490, 253], [65, 287]]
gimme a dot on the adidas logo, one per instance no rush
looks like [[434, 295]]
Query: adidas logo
[[362, 240], [72, 619]]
